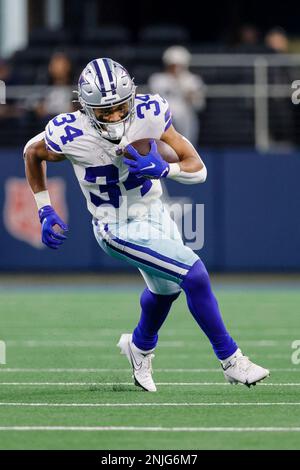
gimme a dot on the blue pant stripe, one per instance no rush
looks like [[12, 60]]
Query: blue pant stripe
[[145, 262], [146, 250]]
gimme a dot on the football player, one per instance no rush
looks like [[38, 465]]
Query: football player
[[130, 221]]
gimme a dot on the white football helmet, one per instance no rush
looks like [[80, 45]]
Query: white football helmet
[[106, 85]]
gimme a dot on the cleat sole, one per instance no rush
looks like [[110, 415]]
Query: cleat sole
[[139, 385]]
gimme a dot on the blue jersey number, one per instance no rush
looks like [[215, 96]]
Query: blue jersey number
[[111, 174], [71, 132], [147, 104], [111, 188], [63, 119]]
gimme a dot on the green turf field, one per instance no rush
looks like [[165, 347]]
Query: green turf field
[[64, 371]]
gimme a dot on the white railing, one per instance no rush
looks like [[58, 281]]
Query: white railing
[[260, 90]]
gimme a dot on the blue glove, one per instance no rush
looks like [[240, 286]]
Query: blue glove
[[151, 165], [49, 218]]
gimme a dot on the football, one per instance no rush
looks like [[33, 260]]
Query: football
[[143, 147]]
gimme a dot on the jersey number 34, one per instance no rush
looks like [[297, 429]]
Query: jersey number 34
[[70, 132]]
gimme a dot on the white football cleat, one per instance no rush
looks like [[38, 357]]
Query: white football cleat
[[239, 369], [140, 362]]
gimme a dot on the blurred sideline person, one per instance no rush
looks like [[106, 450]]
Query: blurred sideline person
[[248, 34], [184, 91], [58, 97], [129, 219], [277, 40], [248, 39], [282, 119]]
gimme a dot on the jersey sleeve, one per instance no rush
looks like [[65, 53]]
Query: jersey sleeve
[[153, 111], [34, 139], [62, 133], [52, 137], [164, 118]]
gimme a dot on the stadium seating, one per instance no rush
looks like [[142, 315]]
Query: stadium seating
[[46, 37], [142, 55], [106, 35], [164, 34]]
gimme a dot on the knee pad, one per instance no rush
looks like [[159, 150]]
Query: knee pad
[[196, 278]]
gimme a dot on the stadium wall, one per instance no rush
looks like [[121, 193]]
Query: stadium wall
[[252, 215]]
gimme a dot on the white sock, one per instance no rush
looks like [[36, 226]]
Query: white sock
[[237, 353], [135, 348]]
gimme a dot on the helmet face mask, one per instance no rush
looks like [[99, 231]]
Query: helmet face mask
[[102, 119], [106, 93]]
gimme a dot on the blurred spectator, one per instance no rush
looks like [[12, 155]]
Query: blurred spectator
[[58, 97], [6, 73], [248, 35], [277, 40], [280, 109], [249, 41], [184, 91]]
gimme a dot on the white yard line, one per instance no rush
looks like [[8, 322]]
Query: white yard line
[[120, 405], [183, 384], [32, 343], [96, 370], [148, 429]]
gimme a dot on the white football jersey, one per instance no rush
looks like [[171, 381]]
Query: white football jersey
[[112, 193]]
